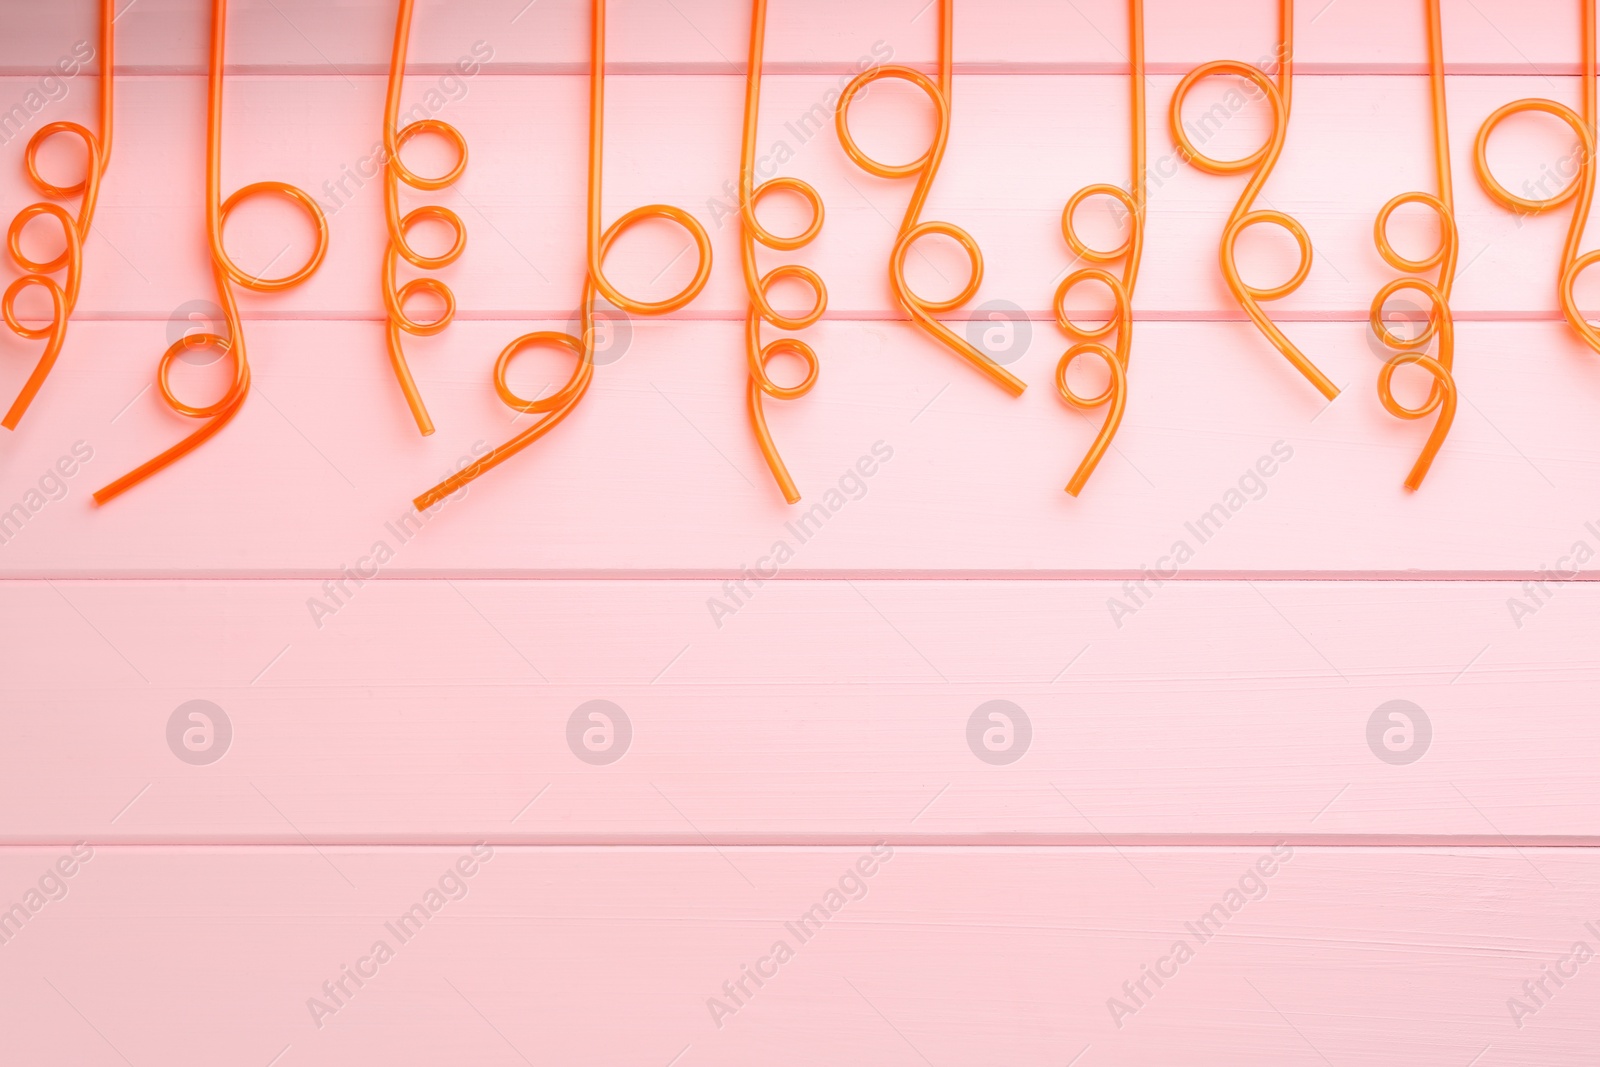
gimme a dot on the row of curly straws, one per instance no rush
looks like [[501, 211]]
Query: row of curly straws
[[559, 405], [396, 297], [227, 274], [36, 273]]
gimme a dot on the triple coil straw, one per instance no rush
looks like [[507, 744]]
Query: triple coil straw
[[396, 296], [1430, 348], [1439, 323], [74, 231], [1090, 340], [759, 286]]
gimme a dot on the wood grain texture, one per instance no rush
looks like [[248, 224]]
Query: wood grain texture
[[417, 711], [950, 957]]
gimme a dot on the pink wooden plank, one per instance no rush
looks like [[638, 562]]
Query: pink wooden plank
[[1481, 36], [419, 711], [1002, 180], [184, 957], [657, 473]]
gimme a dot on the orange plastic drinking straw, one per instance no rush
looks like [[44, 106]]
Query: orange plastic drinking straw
[[74, 231], [561, 403], [1580, 191], [1089, 340], [1442, 391], [759, 285], [227, 274], [925, 168], [1261, 161], [395, 297]]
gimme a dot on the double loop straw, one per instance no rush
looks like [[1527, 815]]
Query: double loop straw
[[1580, 190], [556, 407], [1090, 340], [759, 286], [1260, 162], [1439, 323], [395, 296], [925, 168], [74, 232], [227, 274]]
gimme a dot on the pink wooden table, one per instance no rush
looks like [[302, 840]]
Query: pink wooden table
[[985, 774]]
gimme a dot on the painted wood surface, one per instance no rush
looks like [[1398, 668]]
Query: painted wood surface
[[827, 711], [945, 956], [1340, 744], [940, 957]]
